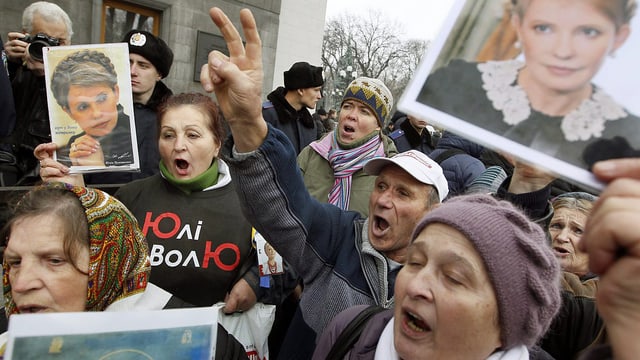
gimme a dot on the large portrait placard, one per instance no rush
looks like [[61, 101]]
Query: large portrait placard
[[90, 105], [552, 83]]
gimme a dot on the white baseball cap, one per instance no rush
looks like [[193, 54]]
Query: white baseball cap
[[418, 165]]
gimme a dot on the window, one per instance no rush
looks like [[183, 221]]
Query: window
[[118, 17]]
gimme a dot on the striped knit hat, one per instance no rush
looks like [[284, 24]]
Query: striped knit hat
[[118, 257], [374, 94], [521, 266]]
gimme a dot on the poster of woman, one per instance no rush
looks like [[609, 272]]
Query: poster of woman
[[91, 107], [530, 83]]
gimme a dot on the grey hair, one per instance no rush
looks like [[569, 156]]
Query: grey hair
[[49, 12]]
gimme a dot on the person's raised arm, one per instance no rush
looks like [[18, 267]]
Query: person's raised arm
[[612, 241], [237, 80]]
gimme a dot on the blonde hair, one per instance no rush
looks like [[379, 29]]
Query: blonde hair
[[619, 11]]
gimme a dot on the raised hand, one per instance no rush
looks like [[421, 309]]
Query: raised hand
[[612, 239], [237, 79]]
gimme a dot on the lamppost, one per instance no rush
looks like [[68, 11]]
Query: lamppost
[[345, 76]]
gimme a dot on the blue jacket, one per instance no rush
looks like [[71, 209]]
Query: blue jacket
[[406, 137], [462, 168], [328, 247]]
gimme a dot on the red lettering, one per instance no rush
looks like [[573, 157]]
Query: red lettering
[[155, 225], [215, 255]]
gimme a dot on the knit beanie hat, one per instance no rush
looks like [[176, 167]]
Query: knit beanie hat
[[521, 266], [302, 75], [151, 48], [119, 264], [374, 94]]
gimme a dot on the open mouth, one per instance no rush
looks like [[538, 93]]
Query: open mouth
[[182, 164], [416, 324], [380, 223], [561, 251], [348, 129]]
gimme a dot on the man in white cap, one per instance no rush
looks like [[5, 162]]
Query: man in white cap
[[343, 258]]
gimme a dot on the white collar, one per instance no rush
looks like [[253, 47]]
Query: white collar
[[588, 120], [386, 350]]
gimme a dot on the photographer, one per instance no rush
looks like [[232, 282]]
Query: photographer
[[43, 24]]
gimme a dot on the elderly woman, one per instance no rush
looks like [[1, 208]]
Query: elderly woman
[[332, 166], [570, 213], [461, 294], [200, 242], [91, 256], [85, 85], [548, 101]]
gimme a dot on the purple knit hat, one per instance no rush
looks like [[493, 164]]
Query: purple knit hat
[[521, 266]]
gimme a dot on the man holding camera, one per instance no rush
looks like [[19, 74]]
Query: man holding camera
[[44, 24]]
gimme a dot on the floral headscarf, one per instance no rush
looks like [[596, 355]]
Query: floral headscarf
[[118, 255]]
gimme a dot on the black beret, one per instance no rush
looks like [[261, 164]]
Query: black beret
[[151, 48]]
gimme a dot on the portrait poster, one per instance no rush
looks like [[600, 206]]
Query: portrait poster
[[90, 106], [269, 261], [163, 334], [553, 84]]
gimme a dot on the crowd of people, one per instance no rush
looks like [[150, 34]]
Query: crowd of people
[[391, 244]]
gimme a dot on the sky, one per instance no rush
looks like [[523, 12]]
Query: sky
[[421, 18]]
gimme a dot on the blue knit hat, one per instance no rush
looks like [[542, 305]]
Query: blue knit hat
[[374, 94]]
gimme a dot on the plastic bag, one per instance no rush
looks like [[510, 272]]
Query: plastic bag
[[251, 328]]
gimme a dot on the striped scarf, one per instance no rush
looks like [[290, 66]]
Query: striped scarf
[[345, 162]]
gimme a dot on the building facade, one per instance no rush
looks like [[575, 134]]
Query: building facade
[[185, 25]]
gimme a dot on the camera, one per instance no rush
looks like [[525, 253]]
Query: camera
[[39, 41]]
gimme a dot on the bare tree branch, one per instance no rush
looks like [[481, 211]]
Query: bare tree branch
[[371, 46]]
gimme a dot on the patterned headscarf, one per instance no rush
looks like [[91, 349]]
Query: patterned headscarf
[[118, 256]]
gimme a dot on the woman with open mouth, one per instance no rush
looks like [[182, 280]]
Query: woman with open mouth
[[479, 283], [332, 166], [570, 212], [200, 243]]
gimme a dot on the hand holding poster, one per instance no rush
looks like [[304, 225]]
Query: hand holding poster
[[91, 107], [546, 105]]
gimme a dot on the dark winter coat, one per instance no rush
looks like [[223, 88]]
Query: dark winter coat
[[461, 168], [298, 125]]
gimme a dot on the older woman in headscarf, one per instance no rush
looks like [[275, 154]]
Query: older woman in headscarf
[[91, 256]]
